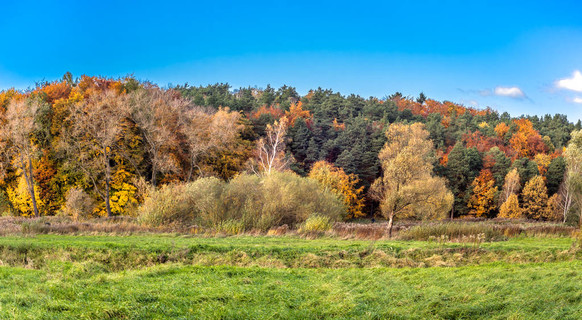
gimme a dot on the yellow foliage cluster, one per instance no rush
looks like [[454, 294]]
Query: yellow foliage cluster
[[20, 197], [510, 208]]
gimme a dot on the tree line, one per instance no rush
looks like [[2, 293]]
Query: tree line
[[103, 145]]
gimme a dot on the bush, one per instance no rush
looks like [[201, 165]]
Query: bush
[[78, 204], [452, 231], [316, 223], [251, 201], [180, 204]]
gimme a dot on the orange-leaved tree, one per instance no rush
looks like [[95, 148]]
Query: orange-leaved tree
[[482, 202], [344, 185]]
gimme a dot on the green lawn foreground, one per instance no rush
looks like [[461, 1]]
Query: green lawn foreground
[[70, 285]]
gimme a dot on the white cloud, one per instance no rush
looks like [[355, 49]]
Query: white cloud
[[513, 92], [473, 103], [574, 83], [577, 100]]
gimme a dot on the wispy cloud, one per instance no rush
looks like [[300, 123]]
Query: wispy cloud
[[574, 83], [512, 92], [577, 100]]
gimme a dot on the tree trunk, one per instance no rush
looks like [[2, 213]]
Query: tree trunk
[[30, 184], [390, 224], [107, 183], [453, 211], [154, 173]]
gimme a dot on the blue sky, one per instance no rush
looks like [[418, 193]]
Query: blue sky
[[515, 56]]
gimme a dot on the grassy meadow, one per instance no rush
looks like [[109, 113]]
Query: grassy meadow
[[176, 276]]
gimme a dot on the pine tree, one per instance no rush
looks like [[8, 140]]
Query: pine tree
[[555, 174], [457, 172]]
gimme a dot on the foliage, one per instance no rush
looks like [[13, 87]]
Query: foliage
[[316, 223], [573, 185], [483, 200], [78, 204], [510, 208], [255, 202], [336, 180], [407, 185], [535, 199], [179, 134]]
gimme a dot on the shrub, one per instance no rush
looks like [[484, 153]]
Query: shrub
[[452, 231], [290, 199], [316, 223], [181, 204], [253, 202], [78, 204], [231, 227]]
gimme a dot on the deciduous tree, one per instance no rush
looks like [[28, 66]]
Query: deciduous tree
[[95, 125], [17, 139], [343, 184], [510, 208], [482, 202], [535, 199], [408, 182]]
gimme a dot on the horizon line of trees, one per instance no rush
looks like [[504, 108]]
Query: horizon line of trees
[[104, 144]]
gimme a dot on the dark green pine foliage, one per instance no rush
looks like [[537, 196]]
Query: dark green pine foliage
[[267, 96], [500, 167], [436, 129], [300, 136], [457, 173], [526, 168], [555, 174]]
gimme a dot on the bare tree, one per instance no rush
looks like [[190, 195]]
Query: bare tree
[[208, 132], [16, 137], [269, 153], [90, 139], [511, 186], [156, 112], [565, 198]]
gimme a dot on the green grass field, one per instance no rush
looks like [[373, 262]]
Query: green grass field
[[170, 276]]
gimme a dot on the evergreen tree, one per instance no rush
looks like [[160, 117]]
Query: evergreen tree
[[555, 174]]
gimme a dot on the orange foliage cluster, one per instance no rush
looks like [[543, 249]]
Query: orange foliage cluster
[[55, 91], [482, 202], [273, 111], [445, 108], [295, 112], [501, 130], [483, 143], [526, 142], [92, 85], [338, 126]]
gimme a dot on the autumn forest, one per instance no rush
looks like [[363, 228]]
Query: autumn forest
[[93, 146]]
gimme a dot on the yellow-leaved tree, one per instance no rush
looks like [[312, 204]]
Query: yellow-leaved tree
[[511, 185], [510, 208], [535, 199], [407, 185], [344, 185]]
